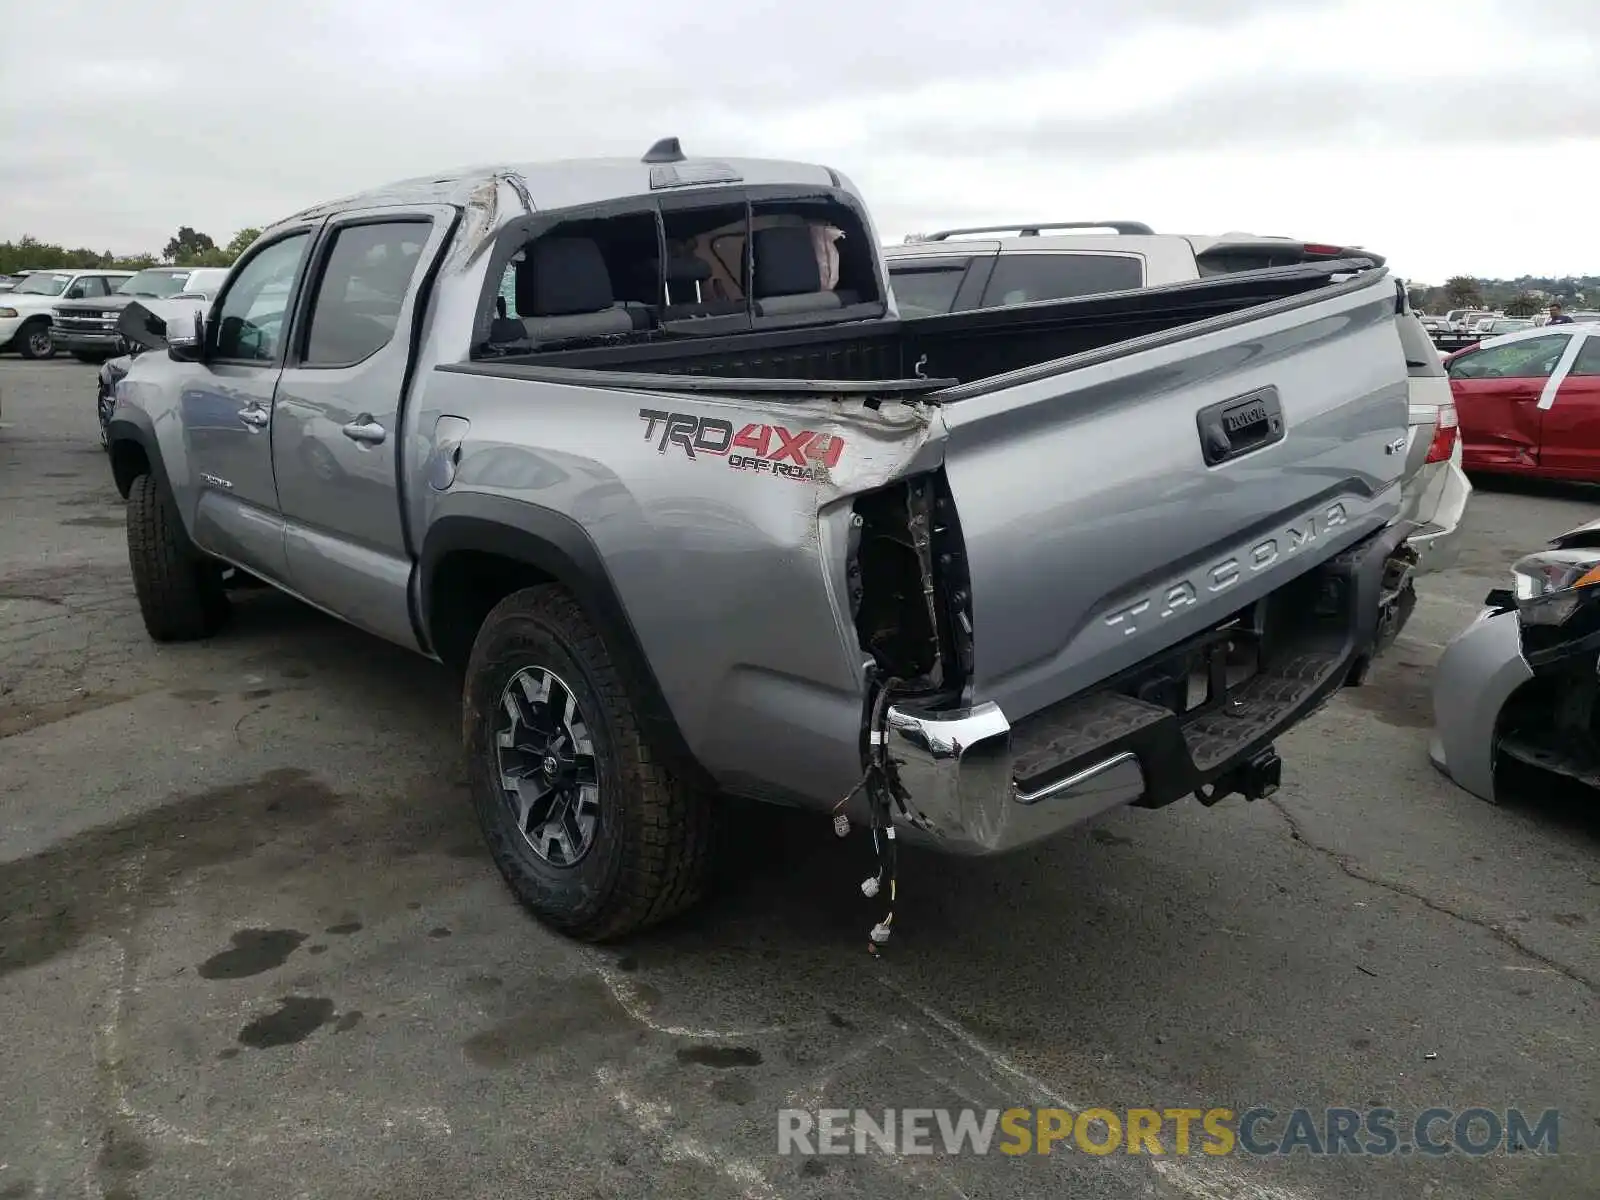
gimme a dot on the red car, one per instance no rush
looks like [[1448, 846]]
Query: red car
[[1529, 402]]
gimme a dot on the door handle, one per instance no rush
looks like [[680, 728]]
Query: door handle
[[255, 417], [365, 430]]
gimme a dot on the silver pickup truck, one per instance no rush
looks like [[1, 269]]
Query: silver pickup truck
[[643, 451]]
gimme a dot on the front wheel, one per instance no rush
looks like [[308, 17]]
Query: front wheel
[[592, 833], [36, 341], [179, 589]]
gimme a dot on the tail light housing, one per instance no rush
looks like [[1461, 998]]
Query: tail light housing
[[1446, 431]]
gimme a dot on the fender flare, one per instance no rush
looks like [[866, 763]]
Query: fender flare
[[559, 547], [133, 425]]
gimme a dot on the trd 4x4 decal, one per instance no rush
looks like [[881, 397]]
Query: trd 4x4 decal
[[768, 449]]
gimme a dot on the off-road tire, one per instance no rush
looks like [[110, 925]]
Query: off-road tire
[[27, 340], [652, 846], [179, 589]]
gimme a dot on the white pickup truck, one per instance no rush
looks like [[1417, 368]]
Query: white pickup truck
[[26, 311]]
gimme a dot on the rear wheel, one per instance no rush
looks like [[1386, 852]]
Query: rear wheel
[[35, 340], [591, 831], [179, 589]]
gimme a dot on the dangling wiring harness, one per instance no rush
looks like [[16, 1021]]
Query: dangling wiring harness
[[882, 790]]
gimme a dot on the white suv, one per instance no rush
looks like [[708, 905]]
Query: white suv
[[955, 270], [25, 311]]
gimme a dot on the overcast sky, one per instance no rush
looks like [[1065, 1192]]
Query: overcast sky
[[1455, 136]]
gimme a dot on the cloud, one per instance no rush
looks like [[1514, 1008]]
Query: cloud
[[117, 125]]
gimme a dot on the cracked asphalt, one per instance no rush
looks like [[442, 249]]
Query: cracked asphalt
[[250, 945]]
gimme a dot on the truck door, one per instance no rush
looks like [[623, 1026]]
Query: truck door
[[336, 437], [1569, 433], [227, 411]]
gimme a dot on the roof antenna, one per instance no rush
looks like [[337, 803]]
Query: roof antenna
[[667, 150]]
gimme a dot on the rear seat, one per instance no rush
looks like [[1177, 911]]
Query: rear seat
[[564, 291], [787, 277]]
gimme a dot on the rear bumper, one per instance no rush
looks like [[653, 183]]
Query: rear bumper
[[979, 784], [1436, 539]]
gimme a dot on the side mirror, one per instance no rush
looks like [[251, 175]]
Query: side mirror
[[140, 329], [186, 336], [75, 292]]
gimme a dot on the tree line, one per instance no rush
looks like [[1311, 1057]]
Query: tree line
[[186, 248], [1515, 297]]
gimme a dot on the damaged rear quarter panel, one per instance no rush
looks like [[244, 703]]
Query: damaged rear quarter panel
[[724, 525]]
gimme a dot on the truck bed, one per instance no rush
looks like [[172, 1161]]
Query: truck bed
[[936, 351]]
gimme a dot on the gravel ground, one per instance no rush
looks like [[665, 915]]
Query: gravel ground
[[250, 945]]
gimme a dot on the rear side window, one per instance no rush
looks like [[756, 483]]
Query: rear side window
[[1024, 278], [1588, 360], [927, 290], [363, 288]]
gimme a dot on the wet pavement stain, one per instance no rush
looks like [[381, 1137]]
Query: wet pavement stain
[[294, 1020], [348, 1022], [344, 928], [720, 1057], [194, 695], [1398, 694], [121, 1156], [319, 948], [1105, 837], [257, 694], [482, 985], [582, 1007], [733, 1091], [20, 717], [45, 911], [228, 1052], [439, 932], [254, 951]]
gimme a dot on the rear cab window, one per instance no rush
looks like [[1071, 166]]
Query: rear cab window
[[1024, 278], [715, 261]]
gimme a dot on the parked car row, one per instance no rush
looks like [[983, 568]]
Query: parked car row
[[75, 309]]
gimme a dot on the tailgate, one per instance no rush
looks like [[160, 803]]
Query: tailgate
[[1099, 527]]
